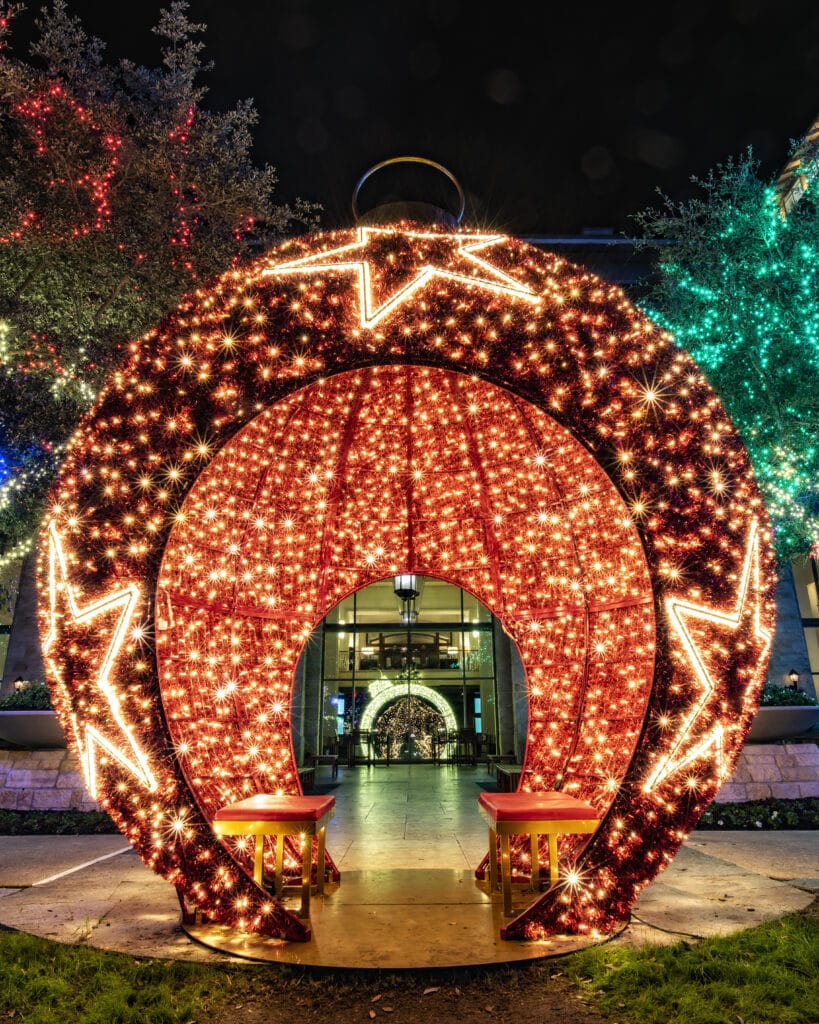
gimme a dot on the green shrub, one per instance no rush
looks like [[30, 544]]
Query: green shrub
[[770, 815], [55, 823], [775, 696], [34, 697]]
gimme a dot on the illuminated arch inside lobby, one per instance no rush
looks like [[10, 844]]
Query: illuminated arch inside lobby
[[384, 692]]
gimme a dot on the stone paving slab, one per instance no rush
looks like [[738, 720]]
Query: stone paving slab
[[808, 884], [701, 895], [25, 860], [781, 855], [117, 904], [390, 920]]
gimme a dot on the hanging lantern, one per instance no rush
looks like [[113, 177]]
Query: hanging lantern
[[406, 586], [388, 401]]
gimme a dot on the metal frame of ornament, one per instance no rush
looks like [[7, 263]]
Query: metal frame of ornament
[[604, 509]]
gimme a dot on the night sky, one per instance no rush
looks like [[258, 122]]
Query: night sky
[[554, 117]]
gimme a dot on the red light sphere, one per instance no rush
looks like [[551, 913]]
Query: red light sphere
[[405, 399]]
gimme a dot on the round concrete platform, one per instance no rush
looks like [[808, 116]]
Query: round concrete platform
[[397, 920], [96, 891]]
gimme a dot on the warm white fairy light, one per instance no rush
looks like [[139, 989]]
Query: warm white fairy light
[[382, 692], [384, 401], [464, 246], [124, 601], [699, 736]]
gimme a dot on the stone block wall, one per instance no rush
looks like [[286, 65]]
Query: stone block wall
[[42, 780], [769, 769]]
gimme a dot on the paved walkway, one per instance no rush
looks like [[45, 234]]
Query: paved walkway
[[393, 829]]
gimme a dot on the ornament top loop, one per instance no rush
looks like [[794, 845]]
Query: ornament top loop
[[410, 160]]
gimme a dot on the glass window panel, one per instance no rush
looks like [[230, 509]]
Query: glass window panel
[[377, 603], [342, 613], [474, 611], [437, 668], [806, 590], [478, 652], [338, 656], [438, 602], [812, 643], [332, 717]]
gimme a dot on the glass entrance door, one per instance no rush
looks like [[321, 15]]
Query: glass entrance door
[[408, 678]]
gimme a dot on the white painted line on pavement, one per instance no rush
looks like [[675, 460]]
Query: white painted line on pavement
[[79, 867]]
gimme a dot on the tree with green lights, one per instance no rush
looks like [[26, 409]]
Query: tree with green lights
[[119, 191], [739, 288]]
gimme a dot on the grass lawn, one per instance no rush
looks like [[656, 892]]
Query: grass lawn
[[766, 974], [42, 982]]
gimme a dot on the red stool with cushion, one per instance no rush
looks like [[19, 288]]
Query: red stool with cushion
[[266, 814], [532, 814]]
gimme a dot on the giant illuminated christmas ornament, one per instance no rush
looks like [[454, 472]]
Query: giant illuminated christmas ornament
[[400, 399]]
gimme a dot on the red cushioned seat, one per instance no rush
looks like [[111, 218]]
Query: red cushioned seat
[[536, 807], [533, 814], [269, 807]]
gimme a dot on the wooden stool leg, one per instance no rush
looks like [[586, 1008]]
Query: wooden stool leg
[[306, 865], [493, 859], [553, 858], [321, 869], [533, 847], [506, 876], [279, 877], [258, 859]]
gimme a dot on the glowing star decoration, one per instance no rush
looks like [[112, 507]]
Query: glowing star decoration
[[124, 602], [460, 251], [689, 744], [471, 409]]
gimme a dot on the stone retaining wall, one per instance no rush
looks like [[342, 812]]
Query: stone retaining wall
[[42, 780], [770, 769]]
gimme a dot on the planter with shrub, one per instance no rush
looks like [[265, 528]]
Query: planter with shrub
[[28, 720], [783, 714]]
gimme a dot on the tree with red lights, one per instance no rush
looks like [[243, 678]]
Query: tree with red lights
[[119, 191]]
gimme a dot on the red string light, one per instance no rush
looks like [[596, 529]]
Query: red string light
[[40, 115]]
